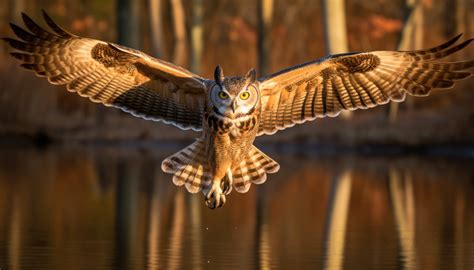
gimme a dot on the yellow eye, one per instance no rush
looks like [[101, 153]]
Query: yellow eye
[[244, 95], [223, 95]]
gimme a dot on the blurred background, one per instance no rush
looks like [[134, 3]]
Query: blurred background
[[269, 35], [387, 188]]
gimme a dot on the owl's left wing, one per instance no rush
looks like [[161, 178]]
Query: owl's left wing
[[111, 74], [352, 81]]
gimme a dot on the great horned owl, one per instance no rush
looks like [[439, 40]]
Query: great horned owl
[[230, 111]]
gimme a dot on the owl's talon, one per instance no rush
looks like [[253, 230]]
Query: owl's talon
[[226, 183], [215, 198], [210, 203], [222, 200], [226, 186]]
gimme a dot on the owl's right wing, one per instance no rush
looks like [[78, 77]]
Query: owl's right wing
[[353, 81], [112, 74]]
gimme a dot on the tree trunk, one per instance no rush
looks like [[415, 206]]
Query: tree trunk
[[128, 23], [13, 13], [156, 27], [16, 7], [335, 32], [264, 17], [461, 11], [128, 34], [196, 36], [179, 25], [410, 38]]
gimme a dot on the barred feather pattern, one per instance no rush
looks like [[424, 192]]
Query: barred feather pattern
[[111, 74], [190, 167], [356, 81], [253, 169]]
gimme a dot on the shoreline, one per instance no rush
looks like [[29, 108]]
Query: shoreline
[[462, 150]]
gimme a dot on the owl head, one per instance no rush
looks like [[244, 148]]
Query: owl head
[[234, 97]]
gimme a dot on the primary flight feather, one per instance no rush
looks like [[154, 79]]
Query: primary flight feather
[[230, 111]]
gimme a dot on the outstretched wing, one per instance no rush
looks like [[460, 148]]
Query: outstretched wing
[[112, 74], [351, 81]]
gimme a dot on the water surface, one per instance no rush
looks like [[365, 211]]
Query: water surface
[[107, 207]]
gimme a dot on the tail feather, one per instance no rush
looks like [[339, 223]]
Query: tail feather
[[190, 167], [253, 169]]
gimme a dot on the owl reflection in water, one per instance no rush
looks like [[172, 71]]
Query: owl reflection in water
[[230, 112]]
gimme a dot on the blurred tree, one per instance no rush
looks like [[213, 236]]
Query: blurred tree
[[461, 11], [16, 7], [196, 36], [335, 32], [179, 27], [335, 26], [156, 27], [411, 38], [264, 17], [128, 23], [13, 14], [449, 12]]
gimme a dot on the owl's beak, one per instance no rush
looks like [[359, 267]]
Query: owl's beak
[[230, 112], [233, 106]]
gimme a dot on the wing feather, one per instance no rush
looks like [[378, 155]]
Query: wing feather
[[111, 74], [351, 81]]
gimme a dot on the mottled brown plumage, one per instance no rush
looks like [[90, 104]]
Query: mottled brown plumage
[[352, 81], [230, 111]]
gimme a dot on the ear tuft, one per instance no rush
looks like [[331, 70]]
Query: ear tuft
[[219, 75], [251, 76]]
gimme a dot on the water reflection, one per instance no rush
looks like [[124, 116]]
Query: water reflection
[[112, 207], [337, 220], [401, 191]]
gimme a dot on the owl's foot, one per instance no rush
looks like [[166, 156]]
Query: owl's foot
[[226, 183], [214, 197]]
